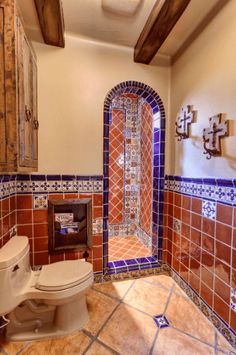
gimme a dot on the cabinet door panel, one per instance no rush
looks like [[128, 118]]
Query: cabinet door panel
[[3, 156], [25, 98]]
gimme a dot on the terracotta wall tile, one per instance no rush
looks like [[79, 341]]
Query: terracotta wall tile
[[196, 205], [223, 233], [221, 308], [224, 213], [207, 294], [24, 202]]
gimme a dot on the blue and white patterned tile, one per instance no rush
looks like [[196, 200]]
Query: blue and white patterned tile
[[55, 186], [161, 321], [209, 209], [97, 225], [87, 186], [40, 201], [23, 186], [233, 299], [177, 225], [97, 186]]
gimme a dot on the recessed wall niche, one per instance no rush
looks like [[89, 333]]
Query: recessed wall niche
[[69, 224]]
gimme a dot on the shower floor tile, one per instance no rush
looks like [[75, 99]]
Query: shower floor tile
[[122, 248], [121, 321]]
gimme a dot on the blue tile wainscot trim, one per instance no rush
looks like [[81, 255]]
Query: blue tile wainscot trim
[[116, 267], [212, 189], [156, 103]]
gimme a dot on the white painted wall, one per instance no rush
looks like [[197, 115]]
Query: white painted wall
[[205, 76], [72, 85]]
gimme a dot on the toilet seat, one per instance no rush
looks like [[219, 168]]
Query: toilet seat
[[63, 275]]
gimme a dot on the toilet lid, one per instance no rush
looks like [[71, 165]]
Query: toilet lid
[[63, 275]]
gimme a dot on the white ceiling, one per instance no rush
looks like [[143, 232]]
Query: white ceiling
[[88, 19]]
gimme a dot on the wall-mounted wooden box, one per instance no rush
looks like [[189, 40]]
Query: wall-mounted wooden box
[[69, 224]]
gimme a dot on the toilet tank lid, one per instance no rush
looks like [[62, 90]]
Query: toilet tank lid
[[13, 250]]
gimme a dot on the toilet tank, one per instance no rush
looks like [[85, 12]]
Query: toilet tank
[[14, 272]]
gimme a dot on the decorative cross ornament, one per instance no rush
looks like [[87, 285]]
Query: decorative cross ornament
[[212, 135], [183, 121]]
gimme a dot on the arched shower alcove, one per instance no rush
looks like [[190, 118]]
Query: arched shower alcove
[[133, 170]]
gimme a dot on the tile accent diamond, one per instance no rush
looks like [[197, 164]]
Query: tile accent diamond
[[40, 201], [209, 209], [161, 321]]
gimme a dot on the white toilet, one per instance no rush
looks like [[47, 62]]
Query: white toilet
[[44, 303]]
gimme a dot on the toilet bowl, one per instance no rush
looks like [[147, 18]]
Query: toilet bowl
[[43, 303]]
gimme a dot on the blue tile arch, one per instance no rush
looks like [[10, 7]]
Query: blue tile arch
[[156, 103]]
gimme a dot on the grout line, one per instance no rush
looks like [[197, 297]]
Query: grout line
[[158, 330], [107, 320]]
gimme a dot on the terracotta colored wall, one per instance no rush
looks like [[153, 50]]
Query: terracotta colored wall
[[146, 169], [116, 167], [203, 251]]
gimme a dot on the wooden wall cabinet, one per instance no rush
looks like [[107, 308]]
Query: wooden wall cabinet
[[18, 94]]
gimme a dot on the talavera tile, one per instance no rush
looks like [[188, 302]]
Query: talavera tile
[[170, 342], [115, 289], [129, 331], [183, 314], [98, 349], [100, 307], [147, 298], [74, 344]]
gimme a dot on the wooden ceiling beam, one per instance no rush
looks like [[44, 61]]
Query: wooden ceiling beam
[[51, 20], [157, 29]]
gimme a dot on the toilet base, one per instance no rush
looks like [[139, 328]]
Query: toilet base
[[68, 318]]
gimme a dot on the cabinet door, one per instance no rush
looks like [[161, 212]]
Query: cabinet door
[[34, 148], [25, 98]]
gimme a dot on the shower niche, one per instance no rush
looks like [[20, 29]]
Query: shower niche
[[69, 224]]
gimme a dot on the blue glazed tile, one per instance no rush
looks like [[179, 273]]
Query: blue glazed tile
[[105, 170], [53, 177], [155, 195], [106, 129], [156, 148], [156, 135], [110, 265], [119, 263], [96, 177], [224, 182], [133, 267], [161, 321], [151, 259], [131, 262], [105, 184], [105, 210], [142, 260], [146, 266], [155, 109], [106, 144], [38, 177], [23, 177], [68, 177], [209, 181], [209, 209]]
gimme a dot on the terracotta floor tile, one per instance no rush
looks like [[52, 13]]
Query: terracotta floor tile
[[100, 307], [114, 289], [223, 344], [172, 342], [163, 280], [129, 247], [183, 314], [11, 348], [147, 298], [98, 349], [129, 331], [74, 344]]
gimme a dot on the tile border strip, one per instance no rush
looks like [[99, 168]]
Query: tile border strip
[[213, 189], [34, 184]]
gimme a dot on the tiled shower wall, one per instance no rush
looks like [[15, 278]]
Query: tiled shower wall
[[24, 200], [131, 167], [200, 239]]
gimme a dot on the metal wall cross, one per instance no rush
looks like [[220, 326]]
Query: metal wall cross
[[212, 135], [183, 121]]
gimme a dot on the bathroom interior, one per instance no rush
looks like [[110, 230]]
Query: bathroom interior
[[117, 177]]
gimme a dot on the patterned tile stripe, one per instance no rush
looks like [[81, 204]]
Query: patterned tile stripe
[[214, 189], [22, 184]]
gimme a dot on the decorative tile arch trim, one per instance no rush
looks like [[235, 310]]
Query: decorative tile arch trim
[[154, 100]]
